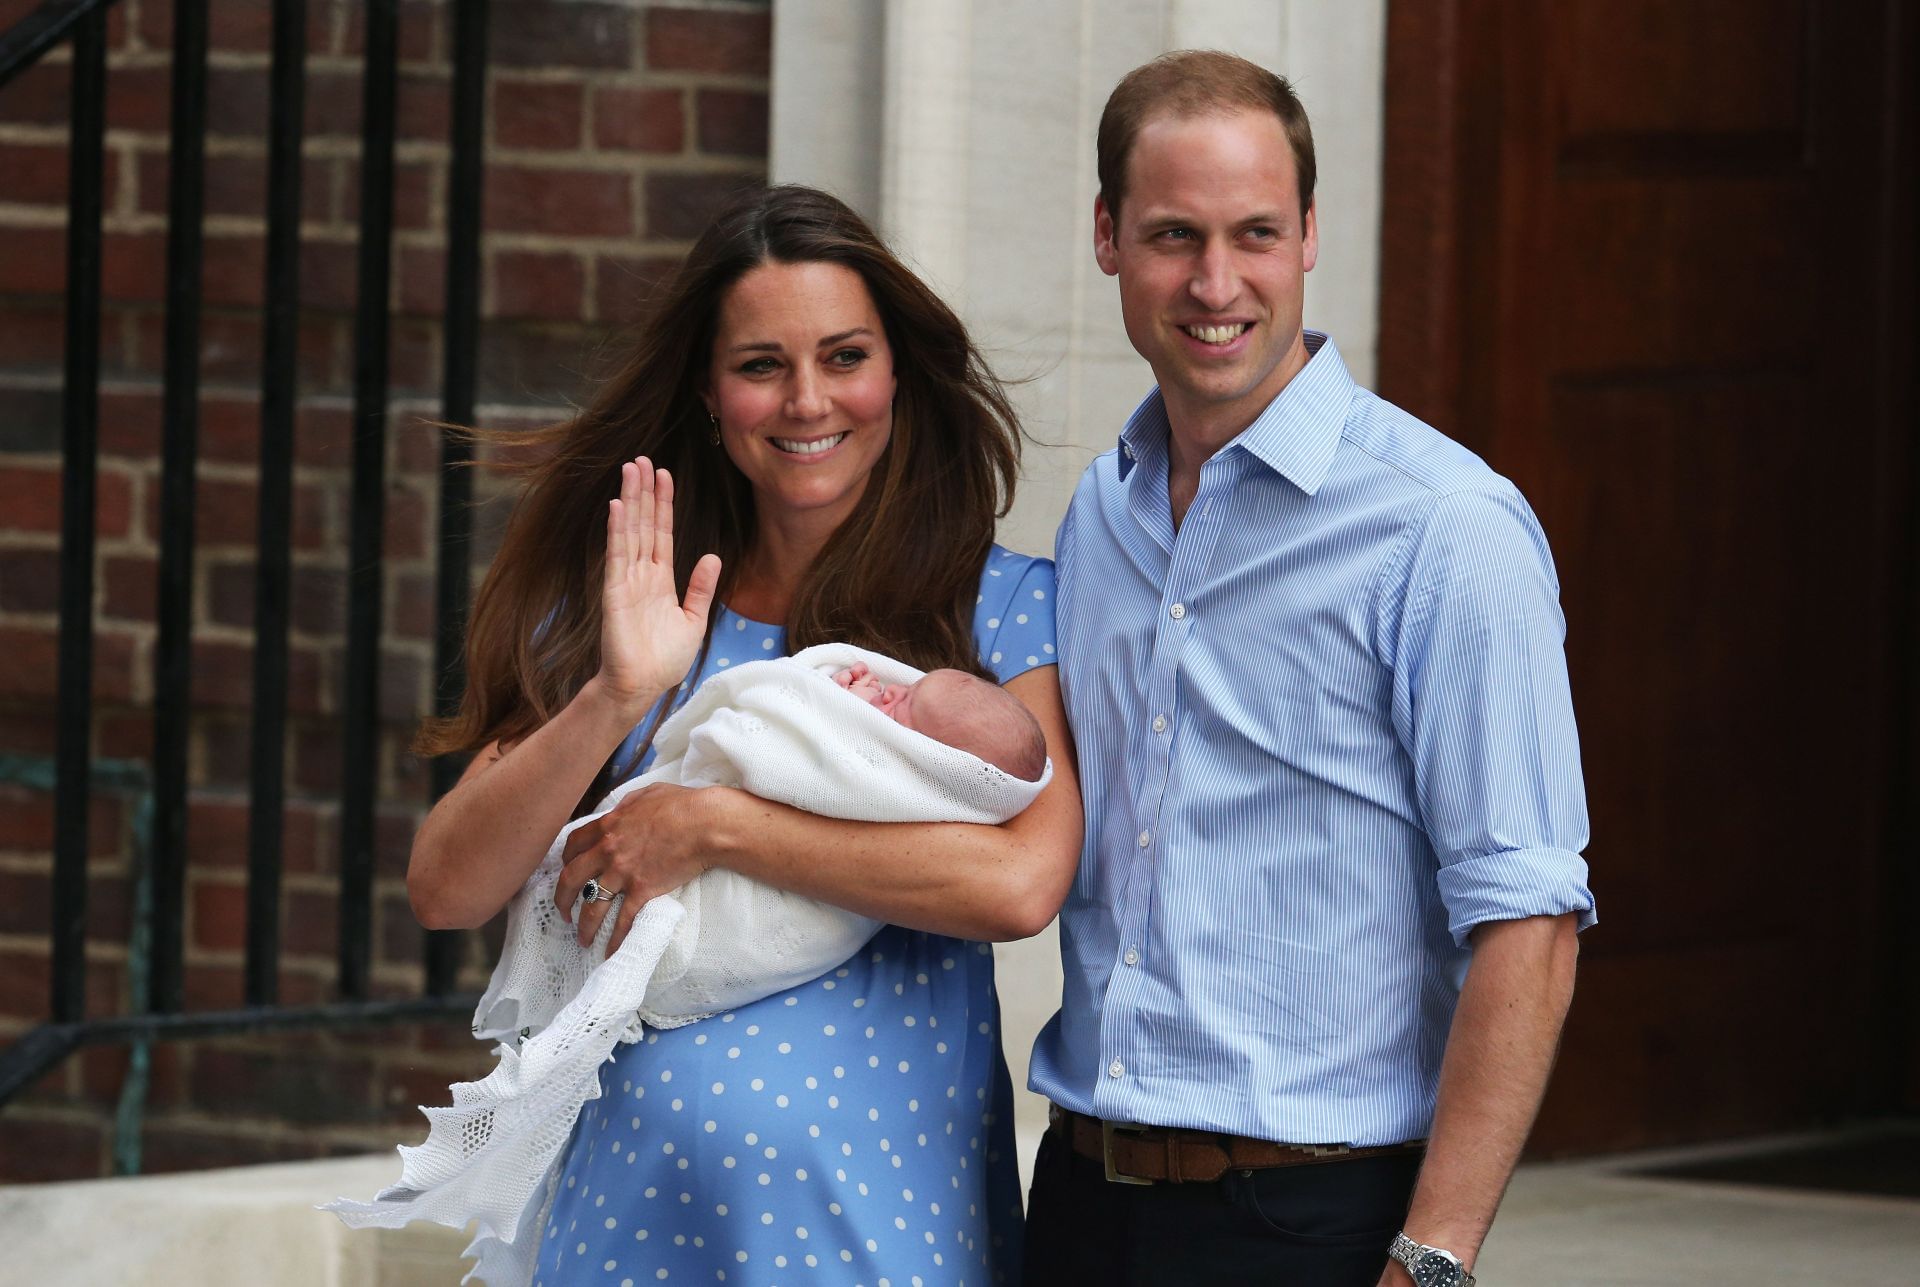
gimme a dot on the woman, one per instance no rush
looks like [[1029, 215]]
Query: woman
[[821, 423]]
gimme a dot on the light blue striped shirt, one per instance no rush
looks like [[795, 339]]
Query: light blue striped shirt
[[1324, 731]]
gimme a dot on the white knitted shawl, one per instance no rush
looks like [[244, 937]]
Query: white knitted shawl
[[781, 729]]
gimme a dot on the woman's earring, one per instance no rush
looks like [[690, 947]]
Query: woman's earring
[[715, 422]]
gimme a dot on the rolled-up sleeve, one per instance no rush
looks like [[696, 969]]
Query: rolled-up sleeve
[[1482, 706]]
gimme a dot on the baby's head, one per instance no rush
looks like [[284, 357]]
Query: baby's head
[[963, 711]]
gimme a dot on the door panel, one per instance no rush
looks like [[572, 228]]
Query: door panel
[[1637, 255]]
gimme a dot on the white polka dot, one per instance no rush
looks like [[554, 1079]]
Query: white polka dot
[[993, 623], [786, 1047], [1039, 594], [610, 1222], [1047, 648], [721, 1209], [726, 661], [903, 1065], [740, 624], [740, 1256], [757, 1084], [1033, 661], [995, 657], [666, 1074], [781, 1100], [993, 571], [1022, 618], [719, 1088]]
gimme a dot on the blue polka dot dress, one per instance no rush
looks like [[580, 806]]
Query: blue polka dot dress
[[857, 1129]]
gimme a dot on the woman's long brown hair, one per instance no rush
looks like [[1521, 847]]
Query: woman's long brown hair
[[901, 574]]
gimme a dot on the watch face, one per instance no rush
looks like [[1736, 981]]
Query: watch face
[[1434, 1269]]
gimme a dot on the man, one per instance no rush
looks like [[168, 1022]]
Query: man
[[1321, 941]]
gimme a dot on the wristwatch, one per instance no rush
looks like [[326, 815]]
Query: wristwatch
[[1429, 1266]]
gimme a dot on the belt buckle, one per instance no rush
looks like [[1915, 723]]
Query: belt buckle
[[1107, 1129]]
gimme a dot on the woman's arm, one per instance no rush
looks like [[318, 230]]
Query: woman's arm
[[970, 881], [485, 837]]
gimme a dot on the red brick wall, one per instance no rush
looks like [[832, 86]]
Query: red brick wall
[[612, 129]]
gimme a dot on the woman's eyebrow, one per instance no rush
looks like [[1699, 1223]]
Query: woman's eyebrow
[[756, 346], [839, 337]]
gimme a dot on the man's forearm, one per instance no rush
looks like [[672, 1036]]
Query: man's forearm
[[1499, 1053]]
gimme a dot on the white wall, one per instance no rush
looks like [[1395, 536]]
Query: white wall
[[965, 131]]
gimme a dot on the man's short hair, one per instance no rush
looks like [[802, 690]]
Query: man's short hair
[[1196, 82]]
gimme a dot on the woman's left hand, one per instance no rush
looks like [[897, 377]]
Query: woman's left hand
[[648, 846]]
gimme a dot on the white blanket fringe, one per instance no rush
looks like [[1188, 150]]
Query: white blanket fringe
[[780, 729]]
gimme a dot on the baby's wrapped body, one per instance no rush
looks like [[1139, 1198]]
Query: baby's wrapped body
[[783, 729]]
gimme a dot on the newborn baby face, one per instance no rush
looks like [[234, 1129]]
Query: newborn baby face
[[961, 710]]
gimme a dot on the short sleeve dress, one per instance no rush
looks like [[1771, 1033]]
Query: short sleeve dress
[[857, 1129]]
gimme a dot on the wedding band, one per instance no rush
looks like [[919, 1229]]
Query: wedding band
[[595, 892]]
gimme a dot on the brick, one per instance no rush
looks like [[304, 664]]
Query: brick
[[33, 664], [411, 606], [627, 290], [35, 262], [535, 284], [121, 735], [707, 40], [680, 206], [129, 587], [315, 763], [217, 834], [537, 114], [420, 23], [133, 268], [218, 915], [240, 101], [37, 175], [166, 1148], [29, 580], [323, 435], [130, 423], [30, 420], [558, 202], [231, 347], [404, 692], [413, 204], [420, 280], [555, 33], [40, 95], [407, 517], [222, 676], [226, 513], [46, 1149], [732, 122], [415, 445], [232, 184], [138, 99], [33, 332], [329, 274], [413, 357], [310, 923], [26, 826], [246, 28], [30, 498], [422, 105], [224, 751], [639, 120], [520, 364]]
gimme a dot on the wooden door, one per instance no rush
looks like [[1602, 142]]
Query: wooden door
[[1649, 259]]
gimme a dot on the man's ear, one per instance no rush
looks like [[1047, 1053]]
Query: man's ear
[[1104, 253], [1310, 237]]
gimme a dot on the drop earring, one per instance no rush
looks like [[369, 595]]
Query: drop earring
[[714, 421]]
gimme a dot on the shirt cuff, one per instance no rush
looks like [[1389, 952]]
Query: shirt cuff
[[1512, 885]]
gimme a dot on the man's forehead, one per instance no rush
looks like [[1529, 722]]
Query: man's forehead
[[1183, 160]]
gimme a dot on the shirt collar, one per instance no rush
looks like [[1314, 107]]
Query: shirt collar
[[1296, 435]]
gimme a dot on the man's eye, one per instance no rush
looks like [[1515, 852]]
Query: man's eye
[[1177, 234], [1263, 234]]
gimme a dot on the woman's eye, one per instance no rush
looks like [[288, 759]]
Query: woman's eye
[[848, 357], [757, 366]]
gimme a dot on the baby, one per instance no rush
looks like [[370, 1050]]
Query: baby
[[962, 711]]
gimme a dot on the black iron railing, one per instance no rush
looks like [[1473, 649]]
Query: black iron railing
[[157, 951]]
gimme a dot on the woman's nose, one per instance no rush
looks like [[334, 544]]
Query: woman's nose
[[808, 399]]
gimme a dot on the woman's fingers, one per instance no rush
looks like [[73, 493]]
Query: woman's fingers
[[617, 556], [644, 482], [701, 585], [629, 909], [663, 519]]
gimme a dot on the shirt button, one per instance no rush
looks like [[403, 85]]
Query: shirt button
[[1132, 957], [1159, 723], [1178, 611], [1146, 838], [1116, 1069]]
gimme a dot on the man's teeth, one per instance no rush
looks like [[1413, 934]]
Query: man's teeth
[[1217, 334], [807, 448]]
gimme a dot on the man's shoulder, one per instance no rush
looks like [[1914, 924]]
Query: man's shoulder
[[1388, 437]]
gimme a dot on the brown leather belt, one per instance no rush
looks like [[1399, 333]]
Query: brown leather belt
[[1151, 1154]]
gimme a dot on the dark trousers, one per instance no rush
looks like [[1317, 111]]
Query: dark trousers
[[1324, 1225]]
